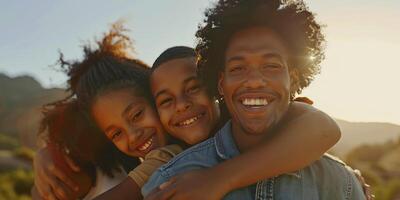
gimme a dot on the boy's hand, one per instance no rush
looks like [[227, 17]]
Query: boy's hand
[[193, 185], [51, 182]]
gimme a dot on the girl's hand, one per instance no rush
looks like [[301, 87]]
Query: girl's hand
[[193, 185], [51, 182]]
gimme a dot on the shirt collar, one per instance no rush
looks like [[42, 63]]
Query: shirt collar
[[225, 143], [226, 146]]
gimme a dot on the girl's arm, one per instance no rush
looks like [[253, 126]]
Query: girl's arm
[[305, 136], [127, 189]]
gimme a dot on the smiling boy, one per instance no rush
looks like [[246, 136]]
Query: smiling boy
[[254, 54]]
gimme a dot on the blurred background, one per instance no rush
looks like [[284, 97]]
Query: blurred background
[[358, 84]]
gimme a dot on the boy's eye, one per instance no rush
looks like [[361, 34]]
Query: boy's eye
[[193, 89], [165, 102]]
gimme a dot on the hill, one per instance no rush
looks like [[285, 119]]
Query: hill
[[21, 99], [355, 134]]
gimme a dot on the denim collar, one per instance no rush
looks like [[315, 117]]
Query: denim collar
[[226, 146], [225, 143]]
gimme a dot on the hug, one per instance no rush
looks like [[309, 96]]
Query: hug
[[219, 121]]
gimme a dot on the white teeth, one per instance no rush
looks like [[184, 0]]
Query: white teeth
[[189, 121], [146, 145], [255, 102]]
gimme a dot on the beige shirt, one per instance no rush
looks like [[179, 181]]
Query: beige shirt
[[152, 161]]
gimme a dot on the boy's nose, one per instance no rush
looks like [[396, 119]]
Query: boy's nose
[[182, 104]]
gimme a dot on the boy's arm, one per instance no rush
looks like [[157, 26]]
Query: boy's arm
[[307, 135]]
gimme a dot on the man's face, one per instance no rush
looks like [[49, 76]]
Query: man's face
[[255, 81], [186, 110]]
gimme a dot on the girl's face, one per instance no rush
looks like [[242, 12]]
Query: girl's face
[[129, 121], [185, 109]]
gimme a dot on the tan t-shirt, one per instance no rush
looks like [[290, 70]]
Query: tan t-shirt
[[152, 161]]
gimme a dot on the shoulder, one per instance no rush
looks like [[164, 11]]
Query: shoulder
[[189, 159], [205, 149], [333, 172]]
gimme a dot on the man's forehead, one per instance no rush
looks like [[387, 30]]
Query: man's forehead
[[256, 39]]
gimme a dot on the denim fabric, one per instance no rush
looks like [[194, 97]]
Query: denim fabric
[[327, 178]]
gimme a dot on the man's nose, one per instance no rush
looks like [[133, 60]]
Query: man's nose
[[255, 79]]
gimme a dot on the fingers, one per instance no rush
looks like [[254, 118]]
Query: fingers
[[71, 164], [40, 182], [49, 195], [63, 178]]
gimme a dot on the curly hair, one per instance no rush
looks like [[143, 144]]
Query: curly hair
[[290, 19], [105, 68]]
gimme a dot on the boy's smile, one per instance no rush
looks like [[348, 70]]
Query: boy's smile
[[185, 109]]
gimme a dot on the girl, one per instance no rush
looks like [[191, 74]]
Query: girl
[[67, 131]]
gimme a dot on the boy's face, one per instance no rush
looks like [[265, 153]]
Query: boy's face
[[129, 121], [255, 81], [185, 109]]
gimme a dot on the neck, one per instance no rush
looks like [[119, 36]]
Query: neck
[[246, 141]]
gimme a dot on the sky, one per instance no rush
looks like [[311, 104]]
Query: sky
[[358, 80]]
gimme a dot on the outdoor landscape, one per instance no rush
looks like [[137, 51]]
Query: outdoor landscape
[[374, 148]]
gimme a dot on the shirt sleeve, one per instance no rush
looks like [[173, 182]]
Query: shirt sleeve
[[152, 162]]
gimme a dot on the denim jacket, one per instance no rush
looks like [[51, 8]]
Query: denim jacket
[[327, 178]]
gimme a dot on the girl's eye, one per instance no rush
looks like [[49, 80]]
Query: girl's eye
[[115, 135], [137, 115]]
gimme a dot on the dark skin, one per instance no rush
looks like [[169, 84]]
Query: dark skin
[[315, 140], [185, 109], [132, 124], [119, 191], [256, 69], [316, 131]]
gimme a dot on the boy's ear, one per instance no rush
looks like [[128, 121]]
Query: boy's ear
[[220, 81]]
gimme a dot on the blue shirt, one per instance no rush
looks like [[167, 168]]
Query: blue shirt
[[327, 178]]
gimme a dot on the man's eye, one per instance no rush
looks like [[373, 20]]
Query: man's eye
[[236, 68], [271, 66]]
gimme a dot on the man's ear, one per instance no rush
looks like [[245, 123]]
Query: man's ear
[[220, 82]]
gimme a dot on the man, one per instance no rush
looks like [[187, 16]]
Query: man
[[256, 55]]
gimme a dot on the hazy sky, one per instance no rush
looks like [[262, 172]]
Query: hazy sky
[[359, 79]]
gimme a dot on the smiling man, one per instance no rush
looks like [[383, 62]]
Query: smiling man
[[254, 54]]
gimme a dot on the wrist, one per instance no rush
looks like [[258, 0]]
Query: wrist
[[221, 180]]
